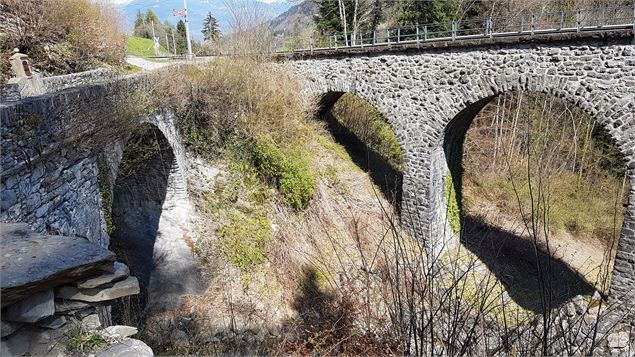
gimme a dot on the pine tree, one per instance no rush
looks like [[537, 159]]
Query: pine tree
[[210, 28], [181, 37], [140, 27], [151, 17]]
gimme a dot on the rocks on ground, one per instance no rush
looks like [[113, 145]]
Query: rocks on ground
[[51, 285]]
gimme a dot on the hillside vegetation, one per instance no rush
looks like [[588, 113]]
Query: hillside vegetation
[[543, 169], [62, 36], [142, 47]]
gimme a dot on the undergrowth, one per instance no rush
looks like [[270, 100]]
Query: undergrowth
[[244, 240]]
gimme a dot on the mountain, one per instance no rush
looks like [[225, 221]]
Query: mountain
[[296, 21], [260, 11]]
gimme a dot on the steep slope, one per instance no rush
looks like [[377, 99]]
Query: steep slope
[[296, 21]]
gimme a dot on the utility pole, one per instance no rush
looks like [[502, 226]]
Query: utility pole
[[187, 32], [172, 30], [154, 40], [167, 42]]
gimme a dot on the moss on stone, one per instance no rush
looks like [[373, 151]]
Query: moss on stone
[[104, 191], [453, 209]]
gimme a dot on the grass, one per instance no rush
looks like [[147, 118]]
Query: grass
[[585, 210], [142, 47], [244, 240], [82, 341]]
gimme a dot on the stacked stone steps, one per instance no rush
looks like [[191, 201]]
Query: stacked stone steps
[[52, 284]]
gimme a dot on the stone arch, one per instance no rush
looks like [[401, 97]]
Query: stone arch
[[151, 211], [165, 122], [382, 173], [326, 91], [612, 109]]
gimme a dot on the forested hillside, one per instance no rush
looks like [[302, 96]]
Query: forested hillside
[[355, 16]]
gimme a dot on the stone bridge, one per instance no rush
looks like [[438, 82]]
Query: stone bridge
[[57, 184], [430, 93]]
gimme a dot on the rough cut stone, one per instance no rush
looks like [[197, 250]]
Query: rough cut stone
[[32, 262], [32, 309], [118, 331], [53, 322], [112, 291], [126, 348], [15, 345], [119, 271], [7, 328], [618, 340], [91, 322], [62, 306]]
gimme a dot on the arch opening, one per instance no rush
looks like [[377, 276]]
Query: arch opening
[[538, 190], [149, 209], [368, 139]]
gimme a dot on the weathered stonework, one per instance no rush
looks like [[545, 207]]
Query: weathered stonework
[[50, 181], [430, 96], [44, 85]]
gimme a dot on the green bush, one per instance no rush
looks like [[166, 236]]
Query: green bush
[[244, 240], [288, 169]]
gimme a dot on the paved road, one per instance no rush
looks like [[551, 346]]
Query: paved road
[[148, 65]]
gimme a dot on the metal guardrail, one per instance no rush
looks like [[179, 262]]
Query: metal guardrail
[[610, 18]]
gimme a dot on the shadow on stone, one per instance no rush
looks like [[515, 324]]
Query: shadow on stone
[[139, 193], [514, 262]]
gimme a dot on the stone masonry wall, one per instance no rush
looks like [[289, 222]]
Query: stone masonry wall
[[43, 85], [49, 180], [421, 91]]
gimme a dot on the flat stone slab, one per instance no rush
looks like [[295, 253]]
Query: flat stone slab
[[32, 309], [127, 347], [127, 287], [118, 332], [119, 272], [32, 262]]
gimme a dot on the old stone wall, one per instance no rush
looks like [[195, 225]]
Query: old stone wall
[[422, 91], [43, 85], [50, 180]]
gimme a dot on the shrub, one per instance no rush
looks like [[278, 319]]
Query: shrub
[[288, 170], [63, 36], [244, 240], [80, 340]]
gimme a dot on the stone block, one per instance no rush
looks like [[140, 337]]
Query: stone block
[[91, 322], [7, 328], [32, 262], [127, 347], [62, 306], [53, 322], [32, 309], [119, 271], [118, 332], [130, 286]]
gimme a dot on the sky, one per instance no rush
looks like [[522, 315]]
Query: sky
[[197, 10]]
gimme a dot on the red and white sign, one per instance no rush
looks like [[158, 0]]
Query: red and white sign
[[176, 12]]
